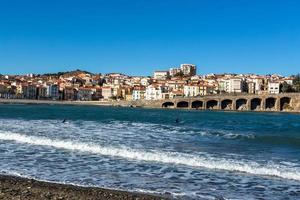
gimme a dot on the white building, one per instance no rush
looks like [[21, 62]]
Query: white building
[[107, 92], [257, 83], [155, 92], [224, 85], [161, 75], [237, 85], [191, 90], [145, 81], [174, 71], [138, 93], [232, 85], [273, 87], [188, 69]]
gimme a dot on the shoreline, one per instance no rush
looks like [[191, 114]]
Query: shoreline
[[14, 187], [121, 104], [29, 101]]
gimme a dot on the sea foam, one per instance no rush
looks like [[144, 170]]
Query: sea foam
[[199, 161]]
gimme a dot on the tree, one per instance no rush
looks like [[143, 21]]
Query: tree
[[179, 74], [285, 87], [296, 82]]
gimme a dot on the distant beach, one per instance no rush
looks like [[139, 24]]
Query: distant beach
[[30, 101]]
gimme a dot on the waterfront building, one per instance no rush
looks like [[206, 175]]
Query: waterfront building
[[206, 89], [3, 91], [29, 91], [117, 91], [259, 84], [176, 84], [232, 85], [96, 93], [237, 85], [138, 93], [70, 94], [107, 92], [54, 91], [126, 92], [43, 92], [84, 94], [176, 94], [273, 87], [19, 90], [191, 90], [251, 87], [128, 97], [153, 92], [223, 85], [156, 92]]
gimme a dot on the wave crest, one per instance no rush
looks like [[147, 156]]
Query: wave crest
[[202, 161]]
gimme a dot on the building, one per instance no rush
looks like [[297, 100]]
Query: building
[[84, 94], [138, 93], [188, 69], [191, 90], [107, 92], [208, 89], [176, 94], [29, 91], [237, 85], [174, 71], [43, 92], [97, 93], [251, 87], [273, 87], [54, 91], [156, 92], [161, 75], [145, 81], [70, 94], [232, 85], [223, 85]]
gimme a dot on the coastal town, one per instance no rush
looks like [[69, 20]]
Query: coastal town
[[177, 82]]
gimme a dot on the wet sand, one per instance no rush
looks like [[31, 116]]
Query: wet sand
[[17, 188]]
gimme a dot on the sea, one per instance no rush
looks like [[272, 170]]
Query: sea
[[177, 153]]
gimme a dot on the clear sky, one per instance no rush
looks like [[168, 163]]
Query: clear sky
[[138, 37]]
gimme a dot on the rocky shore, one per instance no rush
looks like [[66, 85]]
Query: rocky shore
[[17, 188]]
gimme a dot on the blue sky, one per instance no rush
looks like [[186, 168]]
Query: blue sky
[[138, 37]]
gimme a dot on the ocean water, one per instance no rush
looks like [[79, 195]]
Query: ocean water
[[207, 155]]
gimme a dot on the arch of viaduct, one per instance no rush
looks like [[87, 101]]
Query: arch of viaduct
[[269, 102]]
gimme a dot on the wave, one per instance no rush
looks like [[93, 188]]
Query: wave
[[153, 131], [225, 134], [290, 139], [202, 161]]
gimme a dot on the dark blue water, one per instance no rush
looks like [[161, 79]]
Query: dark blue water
[[207, 155]]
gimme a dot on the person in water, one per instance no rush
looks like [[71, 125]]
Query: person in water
[[176, 120], [64, 121]]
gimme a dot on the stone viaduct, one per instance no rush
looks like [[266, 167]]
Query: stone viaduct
[[289, 102]]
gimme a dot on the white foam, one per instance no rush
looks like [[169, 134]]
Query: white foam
[[204, 161]]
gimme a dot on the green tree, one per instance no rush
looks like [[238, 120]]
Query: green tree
[[296, 82], [285, 87], [179, 74]]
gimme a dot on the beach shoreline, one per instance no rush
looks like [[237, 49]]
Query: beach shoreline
[[30, 101], [14, 187]]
